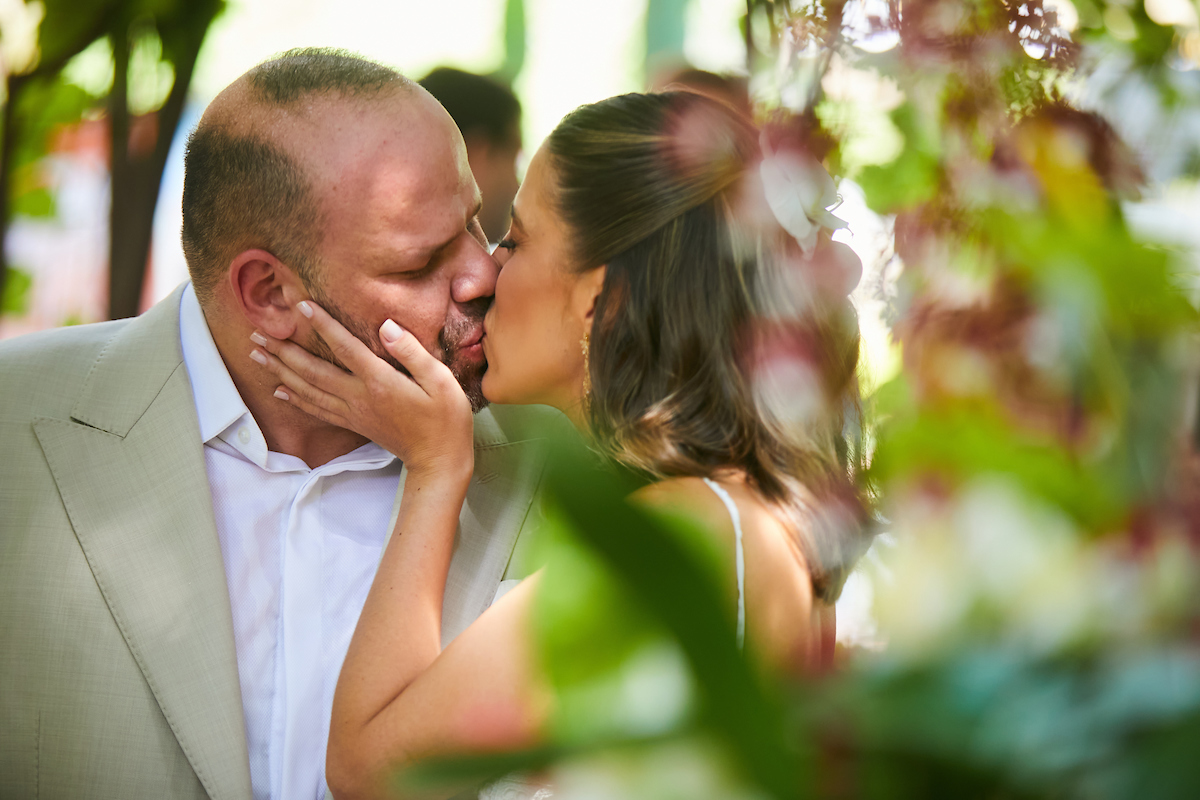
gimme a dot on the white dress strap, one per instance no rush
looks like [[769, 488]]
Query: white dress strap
[[740, 561]]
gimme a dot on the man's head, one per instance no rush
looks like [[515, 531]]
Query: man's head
[[489, 116], [321, 174]]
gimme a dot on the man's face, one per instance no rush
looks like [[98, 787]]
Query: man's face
[[402, 239]]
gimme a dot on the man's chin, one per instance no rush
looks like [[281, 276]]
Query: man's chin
[[478, 401], [471, 381]]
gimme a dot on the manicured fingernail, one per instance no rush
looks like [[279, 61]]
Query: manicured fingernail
[[258, 356], [305, 308], [258, 338], [390, 331], [281, 394]]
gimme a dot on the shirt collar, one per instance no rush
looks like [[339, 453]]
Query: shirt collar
[[218, 404]]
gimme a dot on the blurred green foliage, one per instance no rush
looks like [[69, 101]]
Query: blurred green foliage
[[912, 178], [1033, 466], [44, 105], [151, 50], [16, 292]]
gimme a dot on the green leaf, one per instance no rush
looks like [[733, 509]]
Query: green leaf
[[186, 26], [44, 106], [908, 181], [38, 202], [913, 177], [589, 630], [675, 584], [961, 443], [18, 286], [69, 26], [1142, 297]]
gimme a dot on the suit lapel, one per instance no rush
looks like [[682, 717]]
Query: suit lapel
[[130, 468], [497, 503]]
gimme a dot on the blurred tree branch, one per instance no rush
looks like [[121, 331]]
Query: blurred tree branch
[[10, 127], [137, 164], [137, 171]]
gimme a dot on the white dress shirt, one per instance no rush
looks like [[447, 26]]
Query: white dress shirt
[[301, 547]]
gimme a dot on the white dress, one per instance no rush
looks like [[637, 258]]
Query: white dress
[[514, 787]]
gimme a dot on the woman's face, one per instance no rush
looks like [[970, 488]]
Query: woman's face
[[533, 331]]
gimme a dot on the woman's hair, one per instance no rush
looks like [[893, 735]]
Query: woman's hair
[[650, 185]]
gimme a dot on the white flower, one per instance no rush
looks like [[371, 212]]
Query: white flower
[[799, 192]]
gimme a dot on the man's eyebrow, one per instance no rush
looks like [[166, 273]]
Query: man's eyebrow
[[425, 255], [432, 252]]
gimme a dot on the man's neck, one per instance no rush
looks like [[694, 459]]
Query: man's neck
[[290, 431]]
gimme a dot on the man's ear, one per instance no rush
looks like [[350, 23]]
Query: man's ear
[[266, 291], [587, 289]]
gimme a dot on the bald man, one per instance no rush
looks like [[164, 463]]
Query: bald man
[[183, 557]]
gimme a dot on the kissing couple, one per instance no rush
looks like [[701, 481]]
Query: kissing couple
[[254, 540]]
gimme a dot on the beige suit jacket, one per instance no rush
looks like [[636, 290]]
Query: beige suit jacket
[[118, 677]]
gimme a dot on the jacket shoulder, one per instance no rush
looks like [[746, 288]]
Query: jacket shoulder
[[74, 342], [42, 373]]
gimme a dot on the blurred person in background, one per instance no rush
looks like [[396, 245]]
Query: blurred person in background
[[489, 116], [637, 296], [183, 558]]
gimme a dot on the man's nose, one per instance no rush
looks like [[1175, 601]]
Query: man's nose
[[476, 276]]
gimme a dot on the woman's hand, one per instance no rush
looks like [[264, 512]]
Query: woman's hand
[[425, 420]]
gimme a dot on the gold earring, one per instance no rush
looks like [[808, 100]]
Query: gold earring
[[587, 372]]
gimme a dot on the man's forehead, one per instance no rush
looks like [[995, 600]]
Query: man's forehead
[[408, 185], [322, 119], [356, 155], [378, 155], [336, 126]]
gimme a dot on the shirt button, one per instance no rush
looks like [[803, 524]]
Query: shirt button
[[244, 436]]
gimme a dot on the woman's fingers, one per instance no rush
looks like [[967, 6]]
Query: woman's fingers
[[426, 370], [293, 398], [345, 346], [425, 419], [313, 370], [309, 398]]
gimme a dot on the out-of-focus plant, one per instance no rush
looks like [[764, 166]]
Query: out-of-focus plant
[[1033, 462], [149, 49], [1033, 457]]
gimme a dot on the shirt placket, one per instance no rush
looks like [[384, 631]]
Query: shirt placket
[[302, 631]]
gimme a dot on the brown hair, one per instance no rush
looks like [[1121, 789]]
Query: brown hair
[[648, 184]]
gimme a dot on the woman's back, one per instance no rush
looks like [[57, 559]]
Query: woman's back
[[784, 623]]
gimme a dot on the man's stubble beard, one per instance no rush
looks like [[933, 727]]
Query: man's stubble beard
[[469, 376]]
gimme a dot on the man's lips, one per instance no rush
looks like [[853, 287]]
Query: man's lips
[[472, 344], [473, 339]]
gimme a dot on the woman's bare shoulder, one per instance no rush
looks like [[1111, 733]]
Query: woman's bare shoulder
[[779, 597], [690, 497]]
